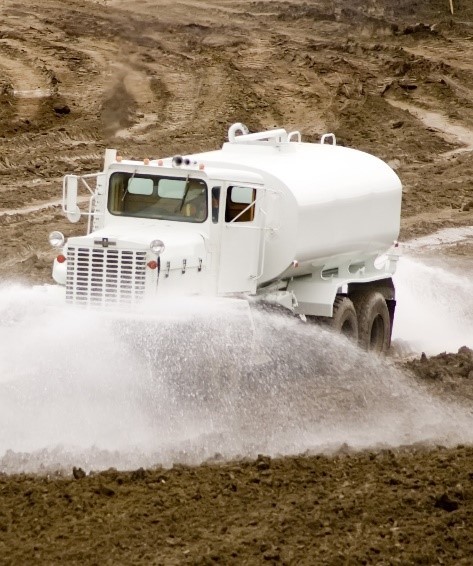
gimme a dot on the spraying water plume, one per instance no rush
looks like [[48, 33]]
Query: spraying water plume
[[435, 308], [202, 378], [435, 294]]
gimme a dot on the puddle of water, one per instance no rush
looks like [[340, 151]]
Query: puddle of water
[[145, 122], [35, 93], [443, 238]]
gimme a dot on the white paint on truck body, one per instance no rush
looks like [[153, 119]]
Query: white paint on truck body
[[295, 223], [328, 202]]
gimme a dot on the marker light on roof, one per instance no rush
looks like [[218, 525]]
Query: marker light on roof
[[146, 161], [119, 158]]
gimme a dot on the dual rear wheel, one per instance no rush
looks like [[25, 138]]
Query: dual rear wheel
[[363, 318]]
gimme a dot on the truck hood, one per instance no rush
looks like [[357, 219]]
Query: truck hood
[[179, 244]]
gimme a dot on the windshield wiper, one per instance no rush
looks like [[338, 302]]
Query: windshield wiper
[[128, 184], [186, 190]]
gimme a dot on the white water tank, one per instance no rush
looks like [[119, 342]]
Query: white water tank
[[331, 204]]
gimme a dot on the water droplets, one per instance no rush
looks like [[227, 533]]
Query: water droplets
[[190, 380]]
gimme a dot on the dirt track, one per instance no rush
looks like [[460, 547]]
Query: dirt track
[[155, 78]]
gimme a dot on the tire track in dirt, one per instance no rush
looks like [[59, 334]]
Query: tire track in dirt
[[27, 85], [457, 55], [451, 132]]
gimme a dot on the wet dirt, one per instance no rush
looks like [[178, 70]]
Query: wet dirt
[[448, 374], [159, 78], [404, 506]]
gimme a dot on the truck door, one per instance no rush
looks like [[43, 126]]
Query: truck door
[[242, 240]]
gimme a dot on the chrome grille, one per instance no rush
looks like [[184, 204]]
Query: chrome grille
[[104, 276]]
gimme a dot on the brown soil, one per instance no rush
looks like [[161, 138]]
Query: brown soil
[[407, 506], [159, 78], [448, 374]]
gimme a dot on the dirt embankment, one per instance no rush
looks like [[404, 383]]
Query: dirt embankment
[[447, 374], [392, 78]]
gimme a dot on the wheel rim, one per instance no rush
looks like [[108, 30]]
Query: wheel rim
[[377, 334]]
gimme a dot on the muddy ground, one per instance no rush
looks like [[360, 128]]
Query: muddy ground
[[408, 506], [156, 78]]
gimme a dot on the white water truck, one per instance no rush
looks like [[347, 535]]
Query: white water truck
[[311, 227]]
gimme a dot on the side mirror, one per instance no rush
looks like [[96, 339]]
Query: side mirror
[[69, 198]]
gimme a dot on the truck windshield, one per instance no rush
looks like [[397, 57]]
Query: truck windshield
[[151, 196]]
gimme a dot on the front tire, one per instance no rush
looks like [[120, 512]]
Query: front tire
[[374, 323]]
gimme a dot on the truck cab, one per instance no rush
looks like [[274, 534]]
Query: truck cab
[[193, 231]]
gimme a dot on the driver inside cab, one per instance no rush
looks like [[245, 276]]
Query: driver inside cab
[[196, 205]]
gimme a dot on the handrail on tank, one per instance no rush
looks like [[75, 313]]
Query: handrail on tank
[[296, 134], [328, 136], [234, 128], [277, 136]]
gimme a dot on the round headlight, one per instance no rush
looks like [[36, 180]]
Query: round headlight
[[56, 239], [157, 247]]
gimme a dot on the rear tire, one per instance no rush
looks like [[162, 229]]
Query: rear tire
[[344, 319], [374, 323]]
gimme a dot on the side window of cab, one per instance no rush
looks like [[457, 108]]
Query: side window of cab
[[240, 204]]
